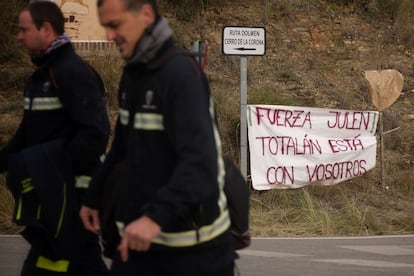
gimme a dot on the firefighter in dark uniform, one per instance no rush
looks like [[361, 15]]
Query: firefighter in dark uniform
[[171, 211], [57, 147]]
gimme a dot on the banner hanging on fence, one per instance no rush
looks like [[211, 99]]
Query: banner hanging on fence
[[291, 147]]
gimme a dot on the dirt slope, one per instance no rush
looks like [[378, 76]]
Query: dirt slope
[[315, 56]]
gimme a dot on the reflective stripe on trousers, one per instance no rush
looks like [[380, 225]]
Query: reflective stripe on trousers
[[192, 237], [57, 266]]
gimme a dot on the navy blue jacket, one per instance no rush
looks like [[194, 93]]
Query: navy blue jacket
[[169, 148], [63, 99]]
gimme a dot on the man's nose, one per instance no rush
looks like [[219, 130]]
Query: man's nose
[[110, 34], [19, 36]]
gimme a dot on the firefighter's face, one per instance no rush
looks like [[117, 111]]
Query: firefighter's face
[[125, 27], [32, 38]]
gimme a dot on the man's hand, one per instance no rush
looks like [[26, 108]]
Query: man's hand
[[90, 219], [138, 236]]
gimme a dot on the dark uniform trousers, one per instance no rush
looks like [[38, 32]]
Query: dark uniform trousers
[[50, 204], [85, 263], [214, 261]]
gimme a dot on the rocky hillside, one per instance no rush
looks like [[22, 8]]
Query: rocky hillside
[[315, 56]]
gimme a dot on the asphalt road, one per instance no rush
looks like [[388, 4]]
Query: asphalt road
[[350, 256]]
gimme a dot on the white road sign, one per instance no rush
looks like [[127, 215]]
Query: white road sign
[[244, 41]]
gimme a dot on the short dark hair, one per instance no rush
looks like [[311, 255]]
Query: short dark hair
[[46, 11], [136, 4]]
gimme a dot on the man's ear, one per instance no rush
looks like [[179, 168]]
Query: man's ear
[[149, 14], [48, 30]]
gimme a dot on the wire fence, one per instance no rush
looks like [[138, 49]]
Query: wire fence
[[86, 48]]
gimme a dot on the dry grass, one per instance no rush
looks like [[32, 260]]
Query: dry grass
[[8, 18], [109, 67], [351, 208], [404, 23], [6, 210], [192, 7]]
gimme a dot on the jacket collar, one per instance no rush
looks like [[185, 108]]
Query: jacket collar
[[151, 42], [51, 55]]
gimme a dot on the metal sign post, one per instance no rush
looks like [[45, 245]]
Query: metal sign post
[[243, 117], [243, 42], [200, 47]]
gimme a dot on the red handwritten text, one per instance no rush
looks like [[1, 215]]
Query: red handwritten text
[[339, 170], [345, 144], [286, 145], [283, 118], [350, 120], [280, 175]]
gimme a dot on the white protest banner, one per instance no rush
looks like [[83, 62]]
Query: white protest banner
[[291, 146]]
